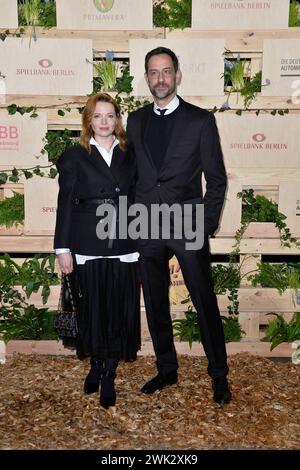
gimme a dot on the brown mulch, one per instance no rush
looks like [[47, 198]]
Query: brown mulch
[[43, 407]]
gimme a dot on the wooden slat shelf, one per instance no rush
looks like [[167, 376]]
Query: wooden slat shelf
[[44, 244], [116, 41], [260, 300], [237, 41], [56, 348]]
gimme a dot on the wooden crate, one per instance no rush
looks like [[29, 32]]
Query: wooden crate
[[280, 185]]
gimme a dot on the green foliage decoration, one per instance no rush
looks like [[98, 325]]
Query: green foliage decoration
[[12, 210]]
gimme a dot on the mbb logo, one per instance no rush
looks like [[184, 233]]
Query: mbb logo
[[9, 132]]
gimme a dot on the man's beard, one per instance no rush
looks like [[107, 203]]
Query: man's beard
[[163, 94]]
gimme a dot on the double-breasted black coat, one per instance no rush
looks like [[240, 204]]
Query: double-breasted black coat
[[84, 177]]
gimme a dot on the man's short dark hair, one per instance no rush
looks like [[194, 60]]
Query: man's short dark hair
[[161, 50]]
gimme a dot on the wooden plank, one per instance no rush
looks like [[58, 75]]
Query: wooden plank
[[248, 263], [116, 41], [236, 41], [253, 300], [249, 322], [265, 318], [250, 245], [236, 102], [256, 348], [219, 245], [206, 102]]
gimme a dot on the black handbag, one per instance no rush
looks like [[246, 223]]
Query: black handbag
[[65, 320]]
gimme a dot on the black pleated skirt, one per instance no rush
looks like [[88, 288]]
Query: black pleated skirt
[[109, 310]]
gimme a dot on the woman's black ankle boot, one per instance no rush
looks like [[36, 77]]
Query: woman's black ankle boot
[[93, 379], [108, 393]]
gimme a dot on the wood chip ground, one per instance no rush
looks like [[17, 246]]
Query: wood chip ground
[[43, 407]]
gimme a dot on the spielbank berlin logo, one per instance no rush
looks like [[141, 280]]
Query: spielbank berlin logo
[[104, 5]]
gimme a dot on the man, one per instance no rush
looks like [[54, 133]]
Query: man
[[175, 142]]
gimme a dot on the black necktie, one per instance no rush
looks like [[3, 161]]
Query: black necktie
[[161, 111]]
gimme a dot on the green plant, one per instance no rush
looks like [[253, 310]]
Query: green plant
[[252, 86], [172, 14], [48, 14], [23, 321], [227, 278], [279, 330], [124, 83], [37, 13], [12, 210], [294, 16], [29, 12], [33, 274], [237, 79], [187, 328], [232, 329], [13, 109], [234, 71], [107, 72], [279, 276], [129, 103], [56, 142], [260, 209]]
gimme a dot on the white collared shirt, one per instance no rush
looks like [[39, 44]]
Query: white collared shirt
[[81, 259], [170, 107], [106, 154]]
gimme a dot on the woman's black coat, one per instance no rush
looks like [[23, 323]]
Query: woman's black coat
[[83, 177]]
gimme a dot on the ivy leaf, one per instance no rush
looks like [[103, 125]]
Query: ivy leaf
[[13, 179], [34, 115], [60, 112], [3, 178], [239, 112], [28, 174], [273, 112], [37, 171], [12, 109], [53, 172], [15, 172]]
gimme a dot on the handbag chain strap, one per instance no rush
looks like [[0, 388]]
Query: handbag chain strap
[[70, 292]]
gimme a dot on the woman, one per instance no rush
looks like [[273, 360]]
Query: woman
[[97, 172]]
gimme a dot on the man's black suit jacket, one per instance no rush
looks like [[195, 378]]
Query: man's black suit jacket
[[194, 148], [84, 176]]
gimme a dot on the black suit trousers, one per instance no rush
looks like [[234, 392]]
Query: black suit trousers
[[196, 270]]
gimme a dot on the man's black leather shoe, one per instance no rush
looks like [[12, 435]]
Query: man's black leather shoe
[[159, 382], [222, 394]]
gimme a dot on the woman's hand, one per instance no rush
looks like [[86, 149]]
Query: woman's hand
[[65, 262]]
